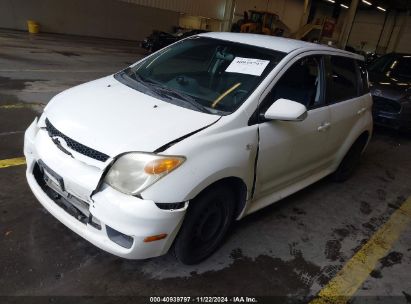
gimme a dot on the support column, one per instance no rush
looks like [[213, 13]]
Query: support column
[[306, 12], [228, 15], [386, 14], [348, 24], [401, 30]]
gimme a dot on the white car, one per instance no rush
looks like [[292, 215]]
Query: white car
[[170, 151]]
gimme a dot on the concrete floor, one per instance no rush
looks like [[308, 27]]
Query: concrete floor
[[292, 248]]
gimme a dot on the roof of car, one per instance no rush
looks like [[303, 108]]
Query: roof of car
[[275, 43]]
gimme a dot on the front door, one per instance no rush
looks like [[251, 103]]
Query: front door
[[290, 150]]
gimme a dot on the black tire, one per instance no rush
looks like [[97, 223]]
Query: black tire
[[208, 219], [349, 163]]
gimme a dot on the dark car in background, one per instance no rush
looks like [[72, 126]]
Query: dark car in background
[[390, 80], [370, 58], [157, 40]]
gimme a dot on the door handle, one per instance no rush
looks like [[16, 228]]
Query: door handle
[[361, 111], [324, 127]]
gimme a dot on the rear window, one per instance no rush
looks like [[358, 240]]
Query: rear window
[[341, 79]]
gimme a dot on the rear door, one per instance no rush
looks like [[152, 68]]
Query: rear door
[[342, 95], [366, 102]]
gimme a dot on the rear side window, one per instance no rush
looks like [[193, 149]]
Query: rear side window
[[341, 79], [364, 84]]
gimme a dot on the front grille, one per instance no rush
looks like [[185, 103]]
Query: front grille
[[68, 203], [61, 201], [386, 105], [76, 146]]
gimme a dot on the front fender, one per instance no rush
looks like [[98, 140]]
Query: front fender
[[210, 157]]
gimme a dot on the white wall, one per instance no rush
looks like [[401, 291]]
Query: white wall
[[366, 29], [196, 22], [98, 18], [205, 8], [368, 26], [404, 40]]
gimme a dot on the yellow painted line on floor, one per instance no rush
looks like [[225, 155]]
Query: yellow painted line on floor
[[351, 277], [21, 105], [11, 162], [13, 106]]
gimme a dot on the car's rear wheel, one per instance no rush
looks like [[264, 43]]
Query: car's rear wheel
[[350, 162], [207, 222]]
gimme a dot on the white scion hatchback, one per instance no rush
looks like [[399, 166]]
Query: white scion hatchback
[[173, 149]]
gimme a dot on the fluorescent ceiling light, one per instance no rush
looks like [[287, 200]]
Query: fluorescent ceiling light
[[332, 1], [366, 2], [343, 5], [381, 8]]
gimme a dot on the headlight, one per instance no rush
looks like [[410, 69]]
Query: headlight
[[134, 172]]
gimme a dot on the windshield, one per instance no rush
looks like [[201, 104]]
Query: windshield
[[203, 74], [393, 66]]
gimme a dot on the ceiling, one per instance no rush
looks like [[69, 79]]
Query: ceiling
[[401, 5], [387, 4]]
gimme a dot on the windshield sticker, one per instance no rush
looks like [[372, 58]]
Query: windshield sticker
[[248, 66]]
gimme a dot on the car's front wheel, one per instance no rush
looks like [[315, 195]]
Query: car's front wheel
[[207, 222]]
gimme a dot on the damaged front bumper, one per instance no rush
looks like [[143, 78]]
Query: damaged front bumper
[[113, 221]]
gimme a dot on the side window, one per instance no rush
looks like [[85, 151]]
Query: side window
[[301, 83], [364, 84], [341, 79]]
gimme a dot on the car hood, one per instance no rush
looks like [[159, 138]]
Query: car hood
[[388, 87], [112, 118]]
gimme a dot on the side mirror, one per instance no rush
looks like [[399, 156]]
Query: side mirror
[[285, 109]]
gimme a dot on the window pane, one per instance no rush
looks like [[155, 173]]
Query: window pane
[[301, 83], [381, 64], [397, 66], [341, 79], [215, 74], [403, 68]]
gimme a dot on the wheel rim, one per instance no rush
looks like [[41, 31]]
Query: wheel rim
[[210, 227]]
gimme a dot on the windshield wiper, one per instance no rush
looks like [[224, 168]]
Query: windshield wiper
[[183, 97], [164, 91], [150, 85], [129, 72]]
